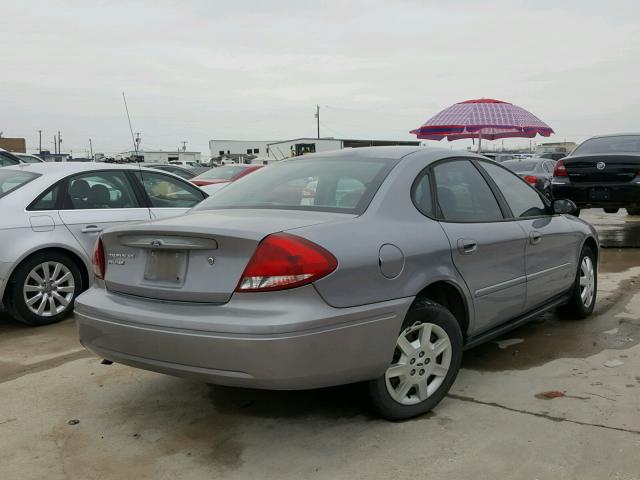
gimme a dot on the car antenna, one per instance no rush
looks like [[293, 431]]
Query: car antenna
[[135, 140]]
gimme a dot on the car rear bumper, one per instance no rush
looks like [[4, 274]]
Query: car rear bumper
[[599, 194], [231, 345]]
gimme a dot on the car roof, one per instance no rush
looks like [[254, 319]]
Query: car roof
[[400, 152], [631, 134], [59, 170]]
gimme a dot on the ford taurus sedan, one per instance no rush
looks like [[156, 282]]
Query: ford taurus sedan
[[384, 271], [52, 215]]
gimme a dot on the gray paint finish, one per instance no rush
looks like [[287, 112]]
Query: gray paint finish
[[386, 256]]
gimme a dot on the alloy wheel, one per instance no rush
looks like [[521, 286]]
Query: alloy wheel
[[48, 289], [420, 363], [587, 281]]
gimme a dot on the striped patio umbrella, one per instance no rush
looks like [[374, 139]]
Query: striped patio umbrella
[[484, 118]]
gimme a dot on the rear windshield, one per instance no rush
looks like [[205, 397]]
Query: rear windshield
[[11, 180], [344, 185], [519, 167], [603, 145], [225, 173]]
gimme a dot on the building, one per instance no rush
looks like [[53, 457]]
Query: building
[[556, 147], [47, 156], [302, 146], [18, 145], [260, 151], [162, 156], [221, 149]]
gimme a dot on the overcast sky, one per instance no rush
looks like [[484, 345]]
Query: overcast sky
[[196, 70]]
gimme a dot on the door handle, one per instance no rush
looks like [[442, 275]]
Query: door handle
[[91, 229], [535, 237], [466, 246]]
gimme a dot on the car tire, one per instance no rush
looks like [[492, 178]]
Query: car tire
[[420, 374], [611, 210], [36, 300], [578, 308], [633, 211]]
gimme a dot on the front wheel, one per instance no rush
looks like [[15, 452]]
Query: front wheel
[[43, 289], [633, 211], [583, 295], [425, 363]]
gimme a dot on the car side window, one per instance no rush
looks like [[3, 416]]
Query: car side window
[[100, 190], [421, 194], [48, 200], [463, 194], [523, 200], [165, 191]]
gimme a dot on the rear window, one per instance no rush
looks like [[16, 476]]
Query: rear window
[[342, 185], [222, 173], [603, 145], [11, 180], [520, 167]]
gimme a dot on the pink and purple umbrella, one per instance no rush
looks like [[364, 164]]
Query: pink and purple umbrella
[[484, 118]]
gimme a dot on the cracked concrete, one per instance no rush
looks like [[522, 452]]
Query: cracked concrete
[[137, 424]]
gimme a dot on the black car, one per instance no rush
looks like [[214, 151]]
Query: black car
[[536, 171], [185, 173], [602, 172]]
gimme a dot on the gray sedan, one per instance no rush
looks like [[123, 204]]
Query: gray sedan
[[371, 264], [52, 215]]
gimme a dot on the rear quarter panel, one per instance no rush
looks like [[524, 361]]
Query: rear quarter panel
[[392, 219]]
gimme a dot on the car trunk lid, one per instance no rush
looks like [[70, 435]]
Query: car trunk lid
[[610, 168], [198, 257]]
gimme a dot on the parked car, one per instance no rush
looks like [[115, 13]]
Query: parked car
[[499, 157], [28, 158], [552, 155], [225, 173], [602, 172], [52, 216], [182, 172], [536, 171], [404, 257], [8, 159]]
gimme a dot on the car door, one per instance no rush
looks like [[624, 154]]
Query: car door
[[550, 263], [168, 195], [487, 250], [96, 200]]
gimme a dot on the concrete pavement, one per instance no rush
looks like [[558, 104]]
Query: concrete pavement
[[66, 416]]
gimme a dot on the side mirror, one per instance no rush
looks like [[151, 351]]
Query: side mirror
[[563, 205]]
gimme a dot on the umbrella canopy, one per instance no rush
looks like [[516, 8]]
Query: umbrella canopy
[[483, 119]]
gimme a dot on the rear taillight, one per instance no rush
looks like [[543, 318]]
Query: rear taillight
[[99, 265], [530, 179], [284, 261], [560, 170]]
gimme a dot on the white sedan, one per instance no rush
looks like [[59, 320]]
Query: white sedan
[[51, 217]]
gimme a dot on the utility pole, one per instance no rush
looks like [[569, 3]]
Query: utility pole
[[91, 150], [40, 142], [59, 142], [318, 118], [137, 142]]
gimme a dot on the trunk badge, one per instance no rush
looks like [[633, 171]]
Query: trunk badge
[[600, 165], [211, 260], [156, 243]]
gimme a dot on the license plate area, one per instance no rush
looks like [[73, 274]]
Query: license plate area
[[599, 194], [167, 267]]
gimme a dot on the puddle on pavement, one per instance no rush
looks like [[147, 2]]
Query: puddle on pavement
[[550, 337]]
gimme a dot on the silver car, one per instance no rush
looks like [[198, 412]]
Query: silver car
[[52, 214], [370, 264]]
